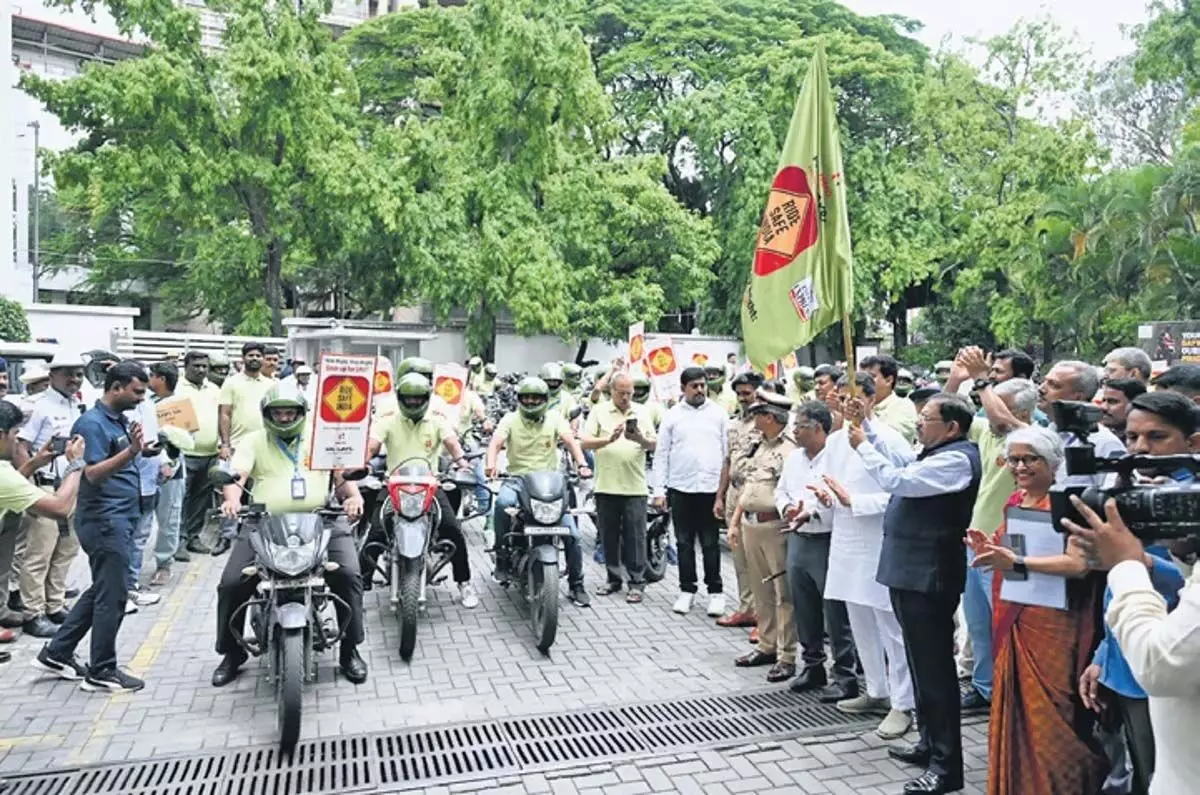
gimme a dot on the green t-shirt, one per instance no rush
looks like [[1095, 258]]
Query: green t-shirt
[[204, 403], [471, 403], [564, 405], [17, 494], [531, 446], [263, 460], [406, 439], [996, 486], [620, 466], [245, 395]]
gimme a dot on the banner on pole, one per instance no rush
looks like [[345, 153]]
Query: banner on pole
[[384, 403], [341, 423], [637, 342], [664, 367], [449, 392]]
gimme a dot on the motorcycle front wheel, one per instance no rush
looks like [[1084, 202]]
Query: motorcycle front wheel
[[656, 557], [290, 650], [410, 596], [543, 603]]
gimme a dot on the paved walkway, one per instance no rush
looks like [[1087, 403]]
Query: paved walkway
[[468, 665]]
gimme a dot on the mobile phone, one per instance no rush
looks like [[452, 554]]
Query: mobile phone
[[58, 445], [631, 425]]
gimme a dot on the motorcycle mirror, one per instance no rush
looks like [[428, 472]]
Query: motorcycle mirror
[[222, 477], [354, 474]]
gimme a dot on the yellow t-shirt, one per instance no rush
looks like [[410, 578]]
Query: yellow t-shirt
[[263, 460], [406, 439], [245, 395], [532, 446], [471, 403], [621, 465], [17, 494], [655, 411], [204, 403], [900, 413]]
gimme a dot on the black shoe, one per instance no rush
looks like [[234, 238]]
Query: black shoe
[[12, 621], [111, 680], [909, 754], [973, 701], [199, 547], [354, 668], [579, 596], [755, 659], [70, 593], [182, 556], [930, 783], [221, 547], [14, 602], [228, 670], [65, 668], [811, 678], [838, 691], [40, 627], [58, 616]]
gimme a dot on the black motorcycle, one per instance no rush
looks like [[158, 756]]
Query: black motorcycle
[[658, 538]]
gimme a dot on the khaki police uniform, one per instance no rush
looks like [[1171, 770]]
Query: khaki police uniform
[[742, 435]]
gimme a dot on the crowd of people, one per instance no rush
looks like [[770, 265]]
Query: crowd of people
[[866, 512]]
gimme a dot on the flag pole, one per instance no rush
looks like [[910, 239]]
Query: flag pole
[[848, 343]]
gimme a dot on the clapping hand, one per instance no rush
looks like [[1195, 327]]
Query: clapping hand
[[975, 362], [823, 496], [856, 434], [838, 490]]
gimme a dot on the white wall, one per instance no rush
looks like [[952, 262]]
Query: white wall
[[78, 328]]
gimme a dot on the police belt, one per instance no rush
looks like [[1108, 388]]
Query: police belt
[[760, 517]]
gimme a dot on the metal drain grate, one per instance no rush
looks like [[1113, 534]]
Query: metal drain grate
[[443, 755]]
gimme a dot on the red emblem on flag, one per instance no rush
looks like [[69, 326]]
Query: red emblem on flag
[[789, 224]]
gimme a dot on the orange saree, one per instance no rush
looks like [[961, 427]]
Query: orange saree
[[1040, 736]]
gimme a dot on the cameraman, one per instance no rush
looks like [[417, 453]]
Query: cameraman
[[1162, 650]]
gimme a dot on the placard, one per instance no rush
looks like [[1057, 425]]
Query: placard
[[664, 367], [383, 404], [449, 389], [637, 343], [179, 414], [342, 422], [1038, 538]]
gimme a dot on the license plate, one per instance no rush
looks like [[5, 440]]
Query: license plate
[[547, 531]]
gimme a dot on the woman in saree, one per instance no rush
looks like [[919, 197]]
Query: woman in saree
[[1040, 733]]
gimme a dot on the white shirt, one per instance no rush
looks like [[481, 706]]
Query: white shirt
[[692, 445], [1163, 651], [53, 415], [900, 474], [800, 472]]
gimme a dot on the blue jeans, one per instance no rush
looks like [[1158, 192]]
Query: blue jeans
[[483, 495], [509, 498], [140, 537], [977, 609], [108, 543], [170, 516]]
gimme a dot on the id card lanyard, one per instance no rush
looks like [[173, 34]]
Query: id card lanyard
[[299, 484]]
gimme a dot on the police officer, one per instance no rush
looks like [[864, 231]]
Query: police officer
[[742, 434], [275, 459], [757, 524]]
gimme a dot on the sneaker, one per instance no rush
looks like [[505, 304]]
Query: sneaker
[[895, 725], [68, 668], [716, 605], [580, 597], [684, 603], [182, 555], [672, 555], [467, 595], [130, 606], [111, 680], [864, 704], [160, 578], [145, 598]]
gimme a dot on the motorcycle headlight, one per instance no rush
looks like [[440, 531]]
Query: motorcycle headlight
[[546, 512], [293, 561], [411, 505]]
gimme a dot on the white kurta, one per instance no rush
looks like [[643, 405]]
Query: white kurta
[[858, 530]]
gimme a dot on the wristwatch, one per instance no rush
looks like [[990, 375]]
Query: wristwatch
[[1019, 566], [982, 384]]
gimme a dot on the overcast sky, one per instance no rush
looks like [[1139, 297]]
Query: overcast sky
[[1098, 23]]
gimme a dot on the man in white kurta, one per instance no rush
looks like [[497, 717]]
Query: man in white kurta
[[858, 505]]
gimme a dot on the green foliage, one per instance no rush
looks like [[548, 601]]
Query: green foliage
[[14, 326]]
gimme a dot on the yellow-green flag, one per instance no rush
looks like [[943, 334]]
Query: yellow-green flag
[[801, 279]]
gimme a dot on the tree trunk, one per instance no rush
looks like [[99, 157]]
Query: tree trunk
[[1047, 343], [485, 336], [581, 353], [898, 314], [812, 354], [274, 285]]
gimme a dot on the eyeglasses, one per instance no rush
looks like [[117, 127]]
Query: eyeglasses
[[1029, 461]]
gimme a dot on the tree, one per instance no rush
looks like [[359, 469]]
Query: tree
[[1140, 121], [491, 124], [14, 326], [212, 177]]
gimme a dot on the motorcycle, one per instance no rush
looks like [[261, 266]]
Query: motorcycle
[[658, 538], [534, 543], [413, 558], [294, 614]]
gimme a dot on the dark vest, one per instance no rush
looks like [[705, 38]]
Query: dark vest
[[923, 536]]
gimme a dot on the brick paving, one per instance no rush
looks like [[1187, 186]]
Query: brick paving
[[468, 665]]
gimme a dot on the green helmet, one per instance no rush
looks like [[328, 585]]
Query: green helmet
[[641, 388], [714, 374], [552, 374], [415, 364], [215, 360], [475, 363], [412, 393], [490, 370], [533, 398], [804, 376], [572, 375], [284, 395]]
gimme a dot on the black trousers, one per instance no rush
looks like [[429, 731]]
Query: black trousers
[[236, 588], [447, 529], [807, 566], [927, 623], [197, 498], [1139, 735], [622, 524], [692, 514]]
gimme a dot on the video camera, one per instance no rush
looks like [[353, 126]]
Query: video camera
[[1151, 511]]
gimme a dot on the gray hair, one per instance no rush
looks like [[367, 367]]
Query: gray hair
[[1087, 377], [1043, 441], [1132, 359], [1021, 392]]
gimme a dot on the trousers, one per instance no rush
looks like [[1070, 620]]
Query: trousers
[[745, 592], [692, 515], [766, 555], [622, 525], [880, 644], [197, 498], [816, 616], [50, 548], [977, 611], [169, 516]]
